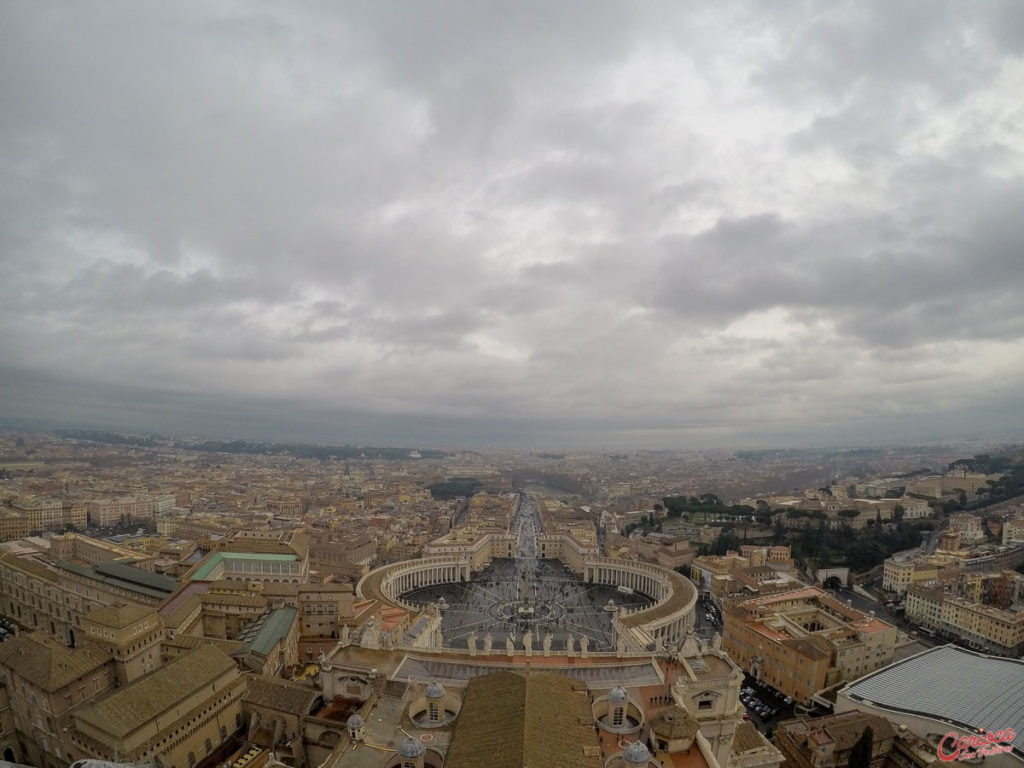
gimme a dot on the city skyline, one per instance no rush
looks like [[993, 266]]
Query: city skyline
[[580, 226]]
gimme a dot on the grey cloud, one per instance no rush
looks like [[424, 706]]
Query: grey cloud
[[655, 222]]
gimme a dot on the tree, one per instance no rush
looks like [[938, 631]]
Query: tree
[[725, 541], [860, 754]]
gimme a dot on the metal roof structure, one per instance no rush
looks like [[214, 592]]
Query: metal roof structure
[[203, 572], [951, 684], [262, 634], [127, 577]]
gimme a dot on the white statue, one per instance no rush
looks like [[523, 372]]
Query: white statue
[[528, 642], [471, 643], [345, 634], [488, 643], [568, 645], [510, 643], [584, 646], [547, 643]]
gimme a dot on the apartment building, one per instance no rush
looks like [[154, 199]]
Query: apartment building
[[42, 514], [827, 742], [105, 513], [906, 568], [968, 618], [970, 527], [13, 526], [341, 554], [1013, 531], [915, 509], [802, 641]]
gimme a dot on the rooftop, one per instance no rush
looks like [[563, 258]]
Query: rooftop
[[132, 707], [125, 577], [263, 634], [538, 720], [46, 663], [978, 691], [120, 616], [203, 571], [280, 695]]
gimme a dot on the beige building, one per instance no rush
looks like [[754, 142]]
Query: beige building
[[13, 526], [76, 546], [54, 598], [826, 742], [105, 513], [758, 570], [804, 640], [1013, 531], [323, 608], [970, 527], [952, 482], [37, 515], [902, 570], [966, 617], [342, 554], [131, 634], [915, 509], [46, 681], [178, 714]]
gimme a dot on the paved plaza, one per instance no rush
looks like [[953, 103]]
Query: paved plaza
[[516, 596]]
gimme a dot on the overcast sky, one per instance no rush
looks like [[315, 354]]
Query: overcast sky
[[528, 223]]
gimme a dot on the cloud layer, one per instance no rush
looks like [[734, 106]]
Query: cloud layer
[[581, 223]]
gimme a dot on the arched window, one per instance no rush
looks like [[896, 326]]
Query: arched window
[[435, 714], [618, 716]]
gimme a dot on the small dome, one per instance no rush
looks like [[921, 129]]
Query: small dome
[[355, 721], [617, 695], [435, 690], [673, 722], [636, 754], [411, 748]]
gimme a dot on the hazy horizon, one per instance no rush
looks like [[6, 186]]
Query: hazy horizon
[[583, 224]]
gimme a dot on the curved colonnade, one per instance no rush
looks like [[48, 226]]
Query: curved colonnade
[[387, 583], [675, 597], [665, 623]]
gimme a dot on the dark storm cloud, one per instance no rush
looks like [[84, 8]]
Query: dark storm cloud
[[581, 222]]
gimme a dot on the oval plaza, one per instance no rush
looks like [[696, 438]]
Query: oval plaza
[[526, 589]]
